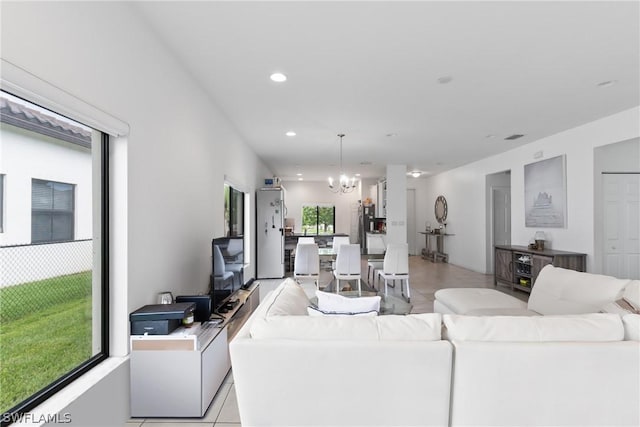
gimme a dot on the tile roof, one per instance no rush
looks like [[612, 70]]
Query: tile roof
[[46, 124]]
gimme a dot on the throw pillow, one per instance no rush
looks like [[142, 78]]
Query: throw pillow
[[632, 294], [329, 302], [621, 307], [289, 299]]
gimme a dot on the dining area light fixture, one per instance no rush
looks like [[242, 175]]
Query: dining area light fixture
[[344, 183]]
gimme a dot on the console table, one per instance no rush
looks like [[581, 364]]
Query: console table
[[519, 266], [438, 252], [178, 375]]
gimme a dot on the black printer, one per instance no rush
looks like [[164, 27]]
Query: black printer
[[160, 319]]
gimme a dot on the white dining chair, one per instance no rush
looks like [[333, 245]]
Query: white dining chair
[[348, 266], [307, 263], [306, 240], [339, 241], [336, 243], [396, 266], [376, 245]]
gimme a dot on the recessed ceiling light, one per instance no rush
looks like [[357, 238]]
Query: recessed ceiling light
[[608, 83], [300, 179], [357, 174], [298, 174], [514, 137], [415, 174], [278, 77], [290, 133]]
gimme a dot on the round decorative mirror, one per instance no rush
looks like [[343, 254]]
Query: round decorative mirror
[[440, 209]]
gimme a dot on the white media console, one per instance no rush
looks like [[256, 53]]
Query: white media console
[[178, 375]]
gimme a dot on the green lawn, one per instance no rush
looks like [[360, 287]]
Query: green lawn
[[38, 345]]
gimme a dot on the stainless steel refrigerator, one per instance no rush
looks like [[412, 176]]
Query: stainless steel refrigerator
[[270, 233]]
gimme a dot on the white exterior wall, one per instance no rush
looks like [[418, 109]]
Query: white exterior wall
[[27, 155]]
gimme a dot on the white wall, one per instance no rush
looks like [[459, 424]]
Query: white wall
[[465, 191], [178, 151], [301, 193], [396, 204]]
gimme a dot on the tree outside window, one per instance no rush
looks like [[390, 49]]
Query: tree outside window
[[318, 219]]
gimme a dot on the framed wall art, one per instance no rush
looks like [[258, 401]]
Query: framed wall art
[[545, 193]]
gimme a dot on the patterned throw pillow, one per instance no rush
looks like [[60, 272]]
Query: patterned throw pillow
[[621, 307]]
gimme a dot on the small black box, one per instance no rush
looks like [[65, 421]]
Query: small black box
[[159, 319], [203, 305]]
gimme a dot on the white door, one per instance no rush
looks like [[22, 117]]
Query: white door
[[412, 233], [621, 225]]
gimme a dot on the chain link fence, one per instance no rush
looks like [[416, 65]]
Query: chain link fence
[[36, 277]]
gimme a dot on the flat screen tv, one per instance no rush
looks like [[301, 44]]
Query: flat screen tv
[[227, 272]]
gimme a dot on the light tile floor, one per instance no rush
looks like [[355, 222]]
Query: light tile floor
[[426, 278]]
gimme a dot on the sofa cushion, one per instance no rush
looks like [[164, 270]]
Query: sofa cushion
[[502, 312], [412, 327], [288, 299], [561, 291], [330, 302], [314, 311], [463, 300], [585, 327], [631, 324]]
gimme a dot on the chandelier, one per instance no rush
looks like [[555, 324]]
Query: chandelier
[[345, 184]]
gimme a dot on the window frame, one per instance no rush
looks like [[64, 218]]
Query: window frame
[[61, 382], [2, 202], [317, 208], [234, 202]]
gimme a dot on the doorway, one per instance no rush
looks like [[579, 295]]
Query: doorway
[[621, 234], [498, 213]]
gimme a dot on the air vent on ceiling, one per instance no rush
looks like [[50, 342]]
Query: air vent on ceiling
[[514, 136]]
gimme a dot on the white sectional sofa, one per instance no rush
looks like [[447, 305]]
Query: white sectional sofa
[[291, 369], [556, 291]]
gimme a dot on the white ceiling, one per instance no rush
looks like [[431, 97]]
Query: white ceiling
[[371, 69]]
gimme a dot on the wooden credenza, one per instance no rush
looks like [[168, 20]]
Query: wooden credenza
[[518, 266]]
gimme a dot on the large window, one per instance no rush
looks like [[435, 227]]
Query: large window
[[52, 211], [318, 219], [233, 211], [1, 203], [53, 286]]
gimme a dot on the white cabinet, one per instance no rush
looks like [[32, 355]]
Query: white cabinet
[[169, 379], [178, 375]]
